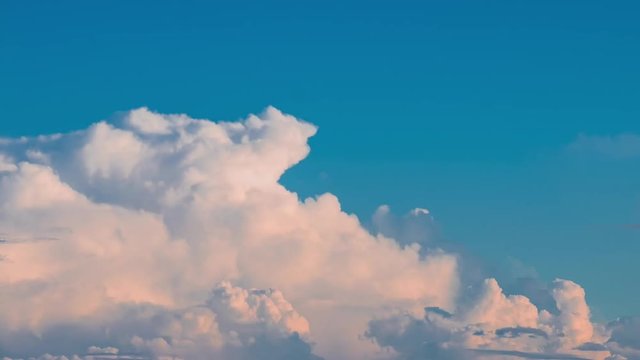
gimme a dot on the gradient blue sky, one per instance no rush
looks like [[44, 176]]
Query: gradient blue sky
[[467, 108]]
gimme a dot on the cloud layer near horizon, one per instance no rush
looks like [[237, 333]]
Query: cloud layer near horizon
[[154, 236]]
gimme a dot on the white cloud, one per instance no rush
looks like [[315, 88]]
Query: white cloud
[[417, 227], [142, 216], [621, 146], [157, 208], [574, 317], [110, 152], [233, 323], [494, 310], [6, 164], [625, 337], [103, 351], [495, 325]]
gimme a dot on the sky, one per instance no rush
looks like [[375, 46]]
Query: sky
[[515, 123]]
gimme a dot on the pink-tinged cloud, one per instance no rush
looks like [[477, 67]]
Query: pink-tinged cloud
[[172, 237]]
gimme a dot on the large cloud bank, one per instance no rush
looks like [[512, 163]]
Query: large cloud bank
[[162, 236]]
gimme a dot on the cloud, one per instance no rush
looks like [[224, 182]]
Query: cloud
[[6, 164], [416, 227], [528, 355], [157, 208], [233, 323], [621, 146], [537, 291], [146, 213], [625, 337], [496, 325]]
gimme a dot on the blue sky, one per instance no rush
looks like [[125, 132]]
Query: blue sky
[[467, 108]]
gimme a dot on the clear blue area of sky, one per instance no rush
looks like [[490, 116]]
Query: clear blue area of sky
[[463, 107]]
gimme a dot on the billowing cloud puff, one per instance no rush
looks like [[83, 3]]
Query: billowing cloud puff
[[417, 227], [496, 326], [233, 323], [113, 237], [150, 211]]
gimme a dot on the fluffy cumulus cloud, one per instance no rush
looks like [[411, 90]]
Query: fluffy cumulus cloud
[[158, 236], [495, 325], [232, 323]]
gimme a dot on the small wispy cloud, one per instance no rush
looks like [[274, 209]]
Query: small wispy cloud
[[620, 146]]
